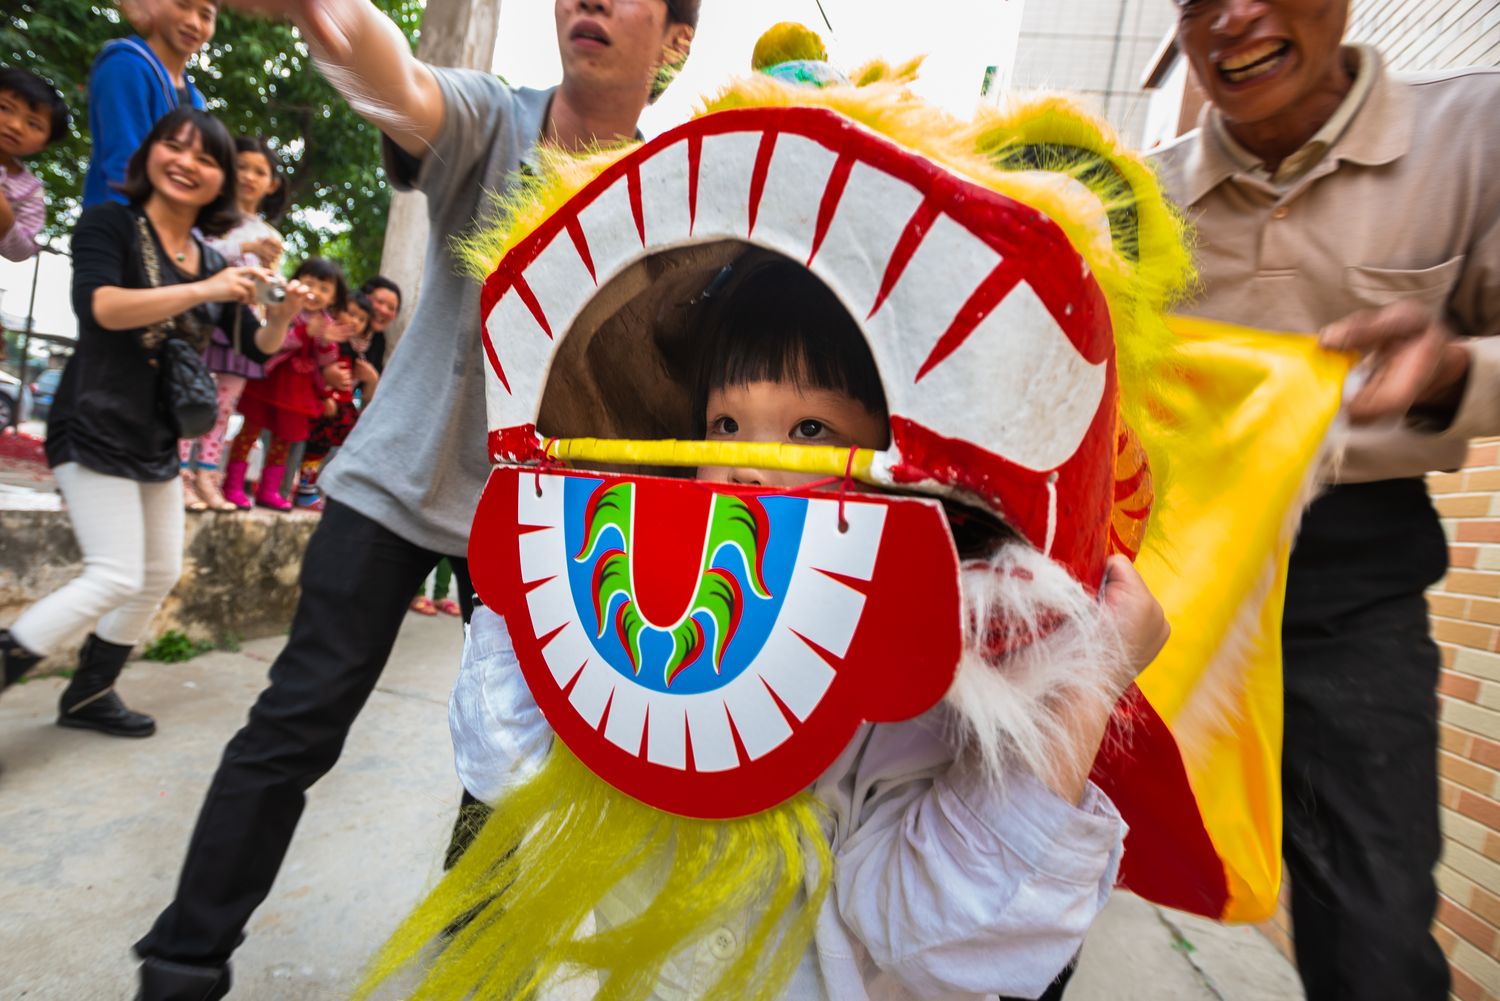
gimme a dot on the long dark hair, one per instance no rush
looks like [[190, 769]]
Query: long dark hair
[[218, 216], [274, 203]]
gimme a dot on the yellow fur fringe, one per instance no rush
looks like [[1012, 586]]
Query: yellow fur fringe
[[508, 918]]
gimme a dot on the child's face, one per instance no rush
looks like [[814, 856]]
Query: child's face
[[323, 290], [351, 323], [24, 127], [255, 179], [785, 412], [185, 26]]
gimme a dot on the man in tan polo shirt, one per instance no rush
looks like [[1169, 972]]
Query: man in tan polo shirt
[[1330, 196]]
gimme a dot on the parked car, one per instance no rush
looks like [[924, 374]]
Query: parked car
[[15, 400], [42, 392]]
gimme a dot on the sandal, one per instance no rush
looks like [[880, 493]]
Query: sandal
[[448, 607], [423, 605], [190, 499], [207, 485]]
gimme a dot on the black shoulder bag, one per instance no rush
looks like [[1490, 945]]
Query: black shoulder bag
[[189, 397]]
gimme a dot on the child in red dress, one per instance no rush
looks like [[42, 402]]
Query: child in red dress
[[293, 392], [341, 409]]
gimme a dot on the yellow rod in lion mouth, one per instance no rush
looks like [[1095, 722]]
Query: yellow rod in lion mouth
[[819, 460]]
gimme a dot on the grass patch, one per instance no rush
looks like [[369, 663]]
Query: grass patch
[[174, 647]]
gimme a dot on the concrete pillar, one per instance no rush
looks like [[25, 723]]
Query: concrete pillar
[[454, 33]]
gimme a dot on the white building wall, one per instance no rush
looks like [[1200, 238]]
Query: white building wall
[[1097, 49], [1429, 34]]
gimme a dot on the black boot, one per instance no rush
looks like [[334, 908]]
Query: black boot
[[90, 703], [164, 981], [17, 659]]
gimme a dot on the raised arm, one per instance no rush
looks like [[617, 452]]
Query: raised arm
[[367, 60]]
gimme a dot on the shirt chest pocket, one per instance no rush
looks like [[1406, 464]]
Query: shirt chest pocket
[[1372, 288]]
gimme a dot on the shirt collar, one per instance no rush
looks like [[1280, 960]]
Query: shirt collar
[[1371, 126]]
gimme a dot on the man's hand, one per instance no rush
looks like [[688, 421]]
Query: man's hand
[[318, 20], [1413, 360], [140, 13]]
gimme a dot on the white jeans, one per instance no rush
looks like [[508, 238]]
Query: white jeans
[[131, 537]]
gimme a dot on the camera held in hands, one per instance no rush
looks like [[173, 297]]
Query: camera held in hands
[[270, 293]]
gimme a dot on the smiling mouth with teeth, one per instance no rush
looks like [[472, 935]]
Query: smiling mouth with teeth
[[1254, 62]]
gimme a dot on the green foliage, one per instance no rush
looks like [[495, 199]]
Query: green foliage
[[174, 647], [257, 77]]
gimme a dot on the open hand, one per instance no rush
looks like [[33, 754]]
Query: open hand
[[1411, 358], [318, 20], [1143, 625], [299, 299]]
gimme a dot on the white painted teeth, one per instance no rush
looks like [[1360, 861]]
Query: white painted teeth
[[817, 610], [906, 270]]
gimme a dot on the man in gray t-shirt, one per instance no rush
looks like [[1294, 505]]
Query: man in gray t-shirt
[[403, 491]]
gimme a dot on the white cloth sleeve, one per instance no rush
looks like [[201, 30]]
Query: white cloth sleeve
[[499, 735], [955, 886]]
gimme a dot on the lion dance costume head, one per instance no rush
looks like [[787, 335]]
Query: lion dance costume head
[[704, 652]]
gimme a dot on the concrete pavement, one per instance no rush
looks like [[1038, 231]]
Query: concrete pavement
[[92, 832]]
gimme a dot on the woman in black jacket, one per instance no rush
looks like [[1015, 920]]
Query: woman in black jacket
[[140, 277]]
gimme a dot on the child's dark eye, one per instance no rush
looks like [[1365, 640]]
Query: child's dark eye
[[726, 425], [810, 429]]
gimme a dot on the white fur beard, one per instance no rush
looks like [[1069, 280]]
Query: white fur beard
[[1012, 708]]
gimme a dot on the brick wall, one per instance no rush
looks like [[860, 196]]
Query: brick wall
[[1465, 609]]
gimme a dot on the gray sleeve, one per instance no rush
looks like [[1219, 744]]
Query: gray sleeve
[[478, 112]]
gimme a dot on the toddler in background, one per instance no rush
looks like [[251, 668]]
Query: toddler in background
[[261, 192], [33, 115], [348, 391], [293, 392]]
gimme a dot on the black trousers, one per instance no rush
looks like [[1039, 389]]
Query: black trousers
[[1359, 765], [357, 581]]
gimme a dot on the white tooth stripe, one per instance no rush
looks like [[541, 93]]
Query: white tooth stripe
[[1018, 355], [946, 268], [666, 734], [725, 165], [627, 717], [852, 552], [757, 719], [592, 690], [539, 551], [551, 605], [795, 182], [561, 285], [826, 611], [799, 677], [872, 215], [608, 225], [545, 509], [566, 653], [664, 201], [713, 743], [525, 353]]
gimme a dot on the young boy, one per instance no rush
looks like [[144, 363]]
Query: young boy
[[33, 115], [944, 883], [136, 80]]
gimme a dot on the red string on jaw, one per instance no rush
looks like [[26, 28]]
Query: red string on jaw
[[844, 490]]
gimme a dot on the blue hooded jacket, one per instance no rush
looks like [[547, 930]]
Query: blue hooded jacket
[[129, 89]]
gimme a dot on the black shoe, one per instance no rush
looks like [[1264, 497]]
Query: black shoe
[[164, 981], [17, 660], [90, 703]]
